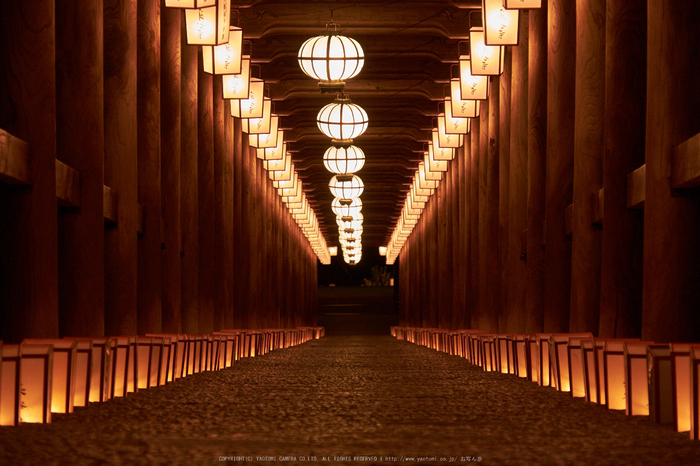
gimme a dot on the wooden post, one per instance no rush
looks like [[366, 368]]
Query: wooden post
[[484, 301], [171, 143], [205, 172], [464, 235], [444, 258], [80, 144], [671, 218], [519, 320], [625, 105], [189, 219], [240, 248], [458, 223], [121, 165], [561, 63], [588, 164], [150, 314], [504, 129], [473, 297], [222, 216], [492, 267]]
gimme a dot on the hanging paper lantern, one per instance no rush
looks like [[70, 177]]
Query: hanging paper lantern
[[331, 58], [342, 121]]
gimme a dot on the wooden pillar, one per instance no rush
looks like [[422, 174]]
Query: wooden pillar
[[189, 210], [464, 236], [206, 194], [492, 265], [431, 238], [517, 268], [171, 143], [150, 316], [504, 123], [484, 308], [474, 224], [456, 238], [444, 260], [28, 235], [240, 250], [671, 217], [561, 63], [80, 145], [222, 201], [121, 165], [588, 164], [228, 219], [256, 266], [625, 108]]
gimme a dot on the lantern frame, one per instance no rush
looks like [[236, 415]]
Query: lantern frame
[[272, 154], [501, 25], [225, 58], [342, 120], [218, 16], [462, 108], [237, 85], [266, 140], [471, 86], [253, 105], [346, 187], [522, 4], [331, 58], [445, 139], [486, 60], [343, 159], [259, 125]]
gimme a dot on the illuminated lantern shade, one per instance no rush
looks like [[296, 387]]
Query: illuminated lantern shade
[[266, 140], [291, 195], [149, 353], [98, 366], [636, 381], [486, 60], [225, 58], [434, 168], [542, 366], [83, 371], [590, 366], [9, 384], [237, 86], [472, 87], [189, 3], [342, 121], [253, 105], [290, 191], [273, 154], [522, 4], [439, 153], [454, 125], [662, 409], [342, 160], [333, 250], [35, 380], [209, 25], [426, 182], [331, 58], [382, 250], [500, 24], [346, 187], [346, 207], [285, 179], [123, 351], [444, 138], [577, 368], [169, 356], [279, 169], [63, 372], [614, 370], [461, 108], [259, 125], [681, 383]]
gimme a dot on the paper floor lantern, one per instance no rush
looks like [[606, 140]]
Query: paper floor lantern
[[521, 356], [83, 372], [544, 378], [662, 405], [577, 371], [124, 369], [63, 372], [636, 381], [35, 382], [9, 384], [680, 364], [591, 371], [614, 369], [505, 354]]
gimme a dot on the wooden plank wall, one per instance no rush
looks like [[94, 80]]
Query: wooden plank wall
[[110, 92], [597, 91]]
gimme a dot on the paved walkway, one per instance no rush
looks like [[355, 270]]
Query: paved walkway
[[338, 397]]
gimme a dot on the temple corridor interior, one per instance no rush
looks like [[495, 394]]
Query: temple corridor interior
[[198, 188]]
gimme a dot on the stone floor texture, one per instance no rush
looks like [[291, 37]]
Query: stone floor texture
[[339, 397]]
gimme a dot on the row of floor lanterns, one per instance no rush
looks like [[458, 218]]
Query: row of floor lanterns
[[208, 25], [331, 58], [486, 57]]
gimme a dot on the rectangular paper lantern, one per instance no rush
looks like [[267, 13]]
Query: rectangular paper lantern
[[35, 382], [225, 58], [124, 369], [251, 106], [662, 404], [534, 359], [500, 24], [461, 108], [259, 125], [577, 367], [100, 387], [614, 370], [505, 355], [148, 361], [209, 25], [591, 371], [559, 358], [10, 373], [63, 372], [83, 371], [486, 60], [544, 372], [471, 87], [189, 3], [522, 4], [487, 344], [237, 85], [680, 363], [695, 393], [636, 384], [521, 357]]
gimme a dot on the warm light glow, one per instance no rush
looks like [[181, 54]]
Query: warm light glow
[[433, 166], [342, 160], [485, 59], [472, 87], [253, 105], [237, 86], [455, 125], [209, 25], [277, 165], [461, 108], [259, 125], [273, 153], [346, 187], [331, 58], [35, 382], [189, 3], [342, 121], [522, 4], [284, 173], [500, 24], [438, 152], [225, 58], [266, 140], [382, 250], [446, 139], [333, 250], [346, 208]]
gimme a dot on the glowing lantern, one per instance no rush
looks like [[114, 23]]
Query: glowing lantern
[[267, 140], [208, 25], [590, 366], [434, 168], [276, 153], [461, 108], [454, 125], [614, 367], [225, 58], [439, 153], [83, 371], [444, 138], [98, 367], [472, 87], [285, 179], [346, 187], [486, 60], [522, 4], [259, 125], [9, 384], [681, 382], [342, 121], [333, 250], [253, 105], [576, 369], [661, 387], [237, 86], [189, 3], [346, 207], [35, 380], [636, 381], [500, 24], [331, 58], [382, 250], [342, 160], [149, 353], [279, 169], [124, 369], [543, 360]]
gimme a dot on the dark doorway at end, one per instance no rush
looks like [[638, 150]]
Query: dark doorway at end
[[357, 310]]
